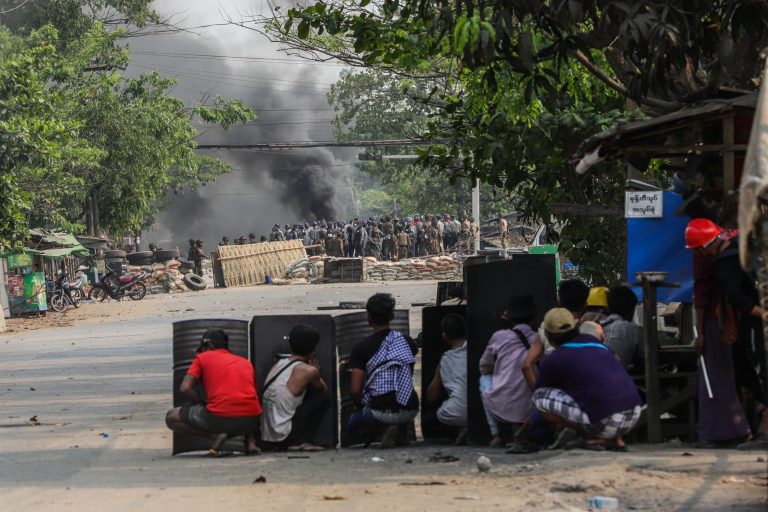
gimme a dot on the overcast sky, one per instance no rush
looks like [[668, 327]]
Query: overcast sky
[[290, 100]]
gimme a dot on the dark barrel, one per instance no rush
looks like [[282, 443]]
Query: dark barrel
[[186, 338], [443, 287]]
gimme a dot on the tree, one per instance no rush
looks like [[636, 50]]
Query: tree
[[38, 142], [658, 54], [93, 134], [493, 123], [376, 105]]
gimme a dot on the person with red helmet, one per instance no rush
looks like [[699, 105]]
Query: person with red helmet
[[728, 315]]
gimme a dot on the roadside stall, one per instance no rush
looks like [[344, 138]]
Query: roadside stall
[[31, 270], [700, 152]]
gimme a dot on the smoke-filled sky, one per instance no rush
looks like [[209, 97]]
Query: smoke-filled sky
[[287, 186]]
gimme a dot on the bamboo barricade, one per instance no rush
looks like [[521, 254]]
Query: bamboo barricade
[[248, 265]]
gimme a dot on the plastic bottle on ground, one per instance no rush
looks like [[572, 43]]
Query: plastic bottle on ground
[[603, 502]]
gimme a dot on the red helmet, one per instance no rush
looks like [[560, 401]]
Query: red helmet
[[700, 232]]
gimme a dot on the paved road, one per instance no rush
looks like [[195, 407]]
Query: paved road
[[100, 391]]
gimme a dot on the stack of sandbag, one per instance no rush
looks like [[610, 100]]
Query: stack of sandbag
[[439, 268], [302, 269], [319, 262], [164, 277]]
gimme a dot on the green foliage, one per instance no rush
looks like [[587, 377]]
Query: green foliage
[[38, 142], [660, 53], [376, 105], [68, 133], [510, 90]]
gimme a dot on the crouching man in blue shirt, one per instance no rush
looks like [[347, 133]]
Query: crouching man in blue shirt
[[584, 387]]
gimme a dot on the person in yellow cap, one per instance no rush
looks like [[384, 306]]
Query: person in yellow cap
[[597, 305]]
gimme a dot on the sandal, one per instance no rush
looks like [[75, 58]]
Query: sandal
[[213, 452], [304, 447], [583, 444], [522, 448]]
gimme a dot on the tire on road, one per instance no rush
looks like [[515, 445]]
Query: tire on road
[[165, 255], [194, 282], [138, 258]]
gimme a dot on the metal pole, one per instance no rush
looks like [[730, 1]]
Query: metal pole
[[476, 212], [650, 326]]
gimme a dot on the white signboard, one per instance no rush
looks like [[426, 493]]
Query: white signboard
[[644, 205]]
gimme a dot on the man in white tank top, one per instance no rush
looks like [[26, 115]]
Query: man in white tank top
[[295, 397]]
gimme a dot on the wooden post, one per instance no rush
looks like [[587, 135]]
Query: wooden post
[[650, 326], [729, 166], [96, 220], [89, 215]]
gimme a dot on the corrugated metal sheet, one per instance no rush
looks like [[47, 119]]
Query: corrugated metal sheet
[[623, 133]]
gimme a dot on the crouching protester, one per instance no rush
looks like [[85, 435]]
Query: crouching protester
[[295, 397], [506, 396], [232, 407], [582, 386], [447, 391], [381, 383]]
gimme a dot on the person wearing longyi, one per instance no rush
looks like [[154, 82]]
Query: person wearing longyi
[[584, 387]]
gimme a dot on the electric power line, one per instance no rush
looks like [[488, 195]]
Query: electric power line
[[237, 82], [207, 72], [259, 125], [14, 8], [236, 57]]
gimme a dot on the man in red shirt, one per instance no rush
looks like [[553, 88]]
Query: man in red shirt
[[232, 407]]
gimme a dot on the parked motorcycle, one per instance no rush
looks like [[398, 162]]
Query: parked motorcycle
[[116, 287], [77, 286], [62, 296]]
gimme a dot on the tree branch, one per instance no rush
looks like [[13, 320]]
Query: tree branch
[[619, 87]]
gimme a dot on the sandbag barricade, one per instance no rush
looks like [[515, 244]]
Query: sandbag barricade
[[163, 277], [440, 268]]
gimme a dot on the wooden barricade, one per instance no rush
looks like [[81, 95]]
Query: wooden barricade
[[247, 265]]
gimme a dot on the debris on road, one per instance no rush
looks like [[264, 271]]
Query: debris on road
[[334, 497], [439, 457], [483, 464]]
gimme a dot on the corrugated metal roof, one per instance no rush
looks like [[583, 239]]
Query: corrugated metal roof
[[625, 134]]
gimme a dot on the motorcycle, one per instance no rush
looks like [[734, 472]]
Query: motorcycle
[[78, 286], [116, 287], [62, 296]]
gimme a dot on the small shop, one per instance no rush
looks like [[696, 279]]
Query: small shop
[[27, 275]]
